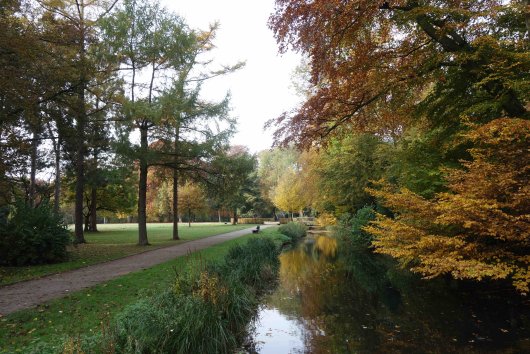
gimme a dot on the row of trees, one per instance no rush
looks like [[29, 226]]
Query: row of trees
[[228, 187], [101, 92], [419, 109]]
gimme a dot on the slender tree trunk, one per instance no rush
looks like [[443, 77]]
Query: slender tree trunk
[[56, 145], [93, 210], [176, 184], [87, 222], [57, 189], [93, 198], [142, 189], [175, 205], [235, 217], [142, 186], [219, 214], [80, 166], [189, 216], [33, 170], [80, 130]]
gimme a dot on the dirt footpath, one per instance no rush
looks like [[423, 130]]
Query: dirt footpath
[[34, 292]]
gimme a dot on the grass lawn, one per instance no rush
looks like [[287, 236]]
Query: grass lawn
[[88, 310], [116, 241]]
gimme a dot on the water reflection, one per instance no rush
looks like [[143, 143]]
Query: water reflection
[[277, 333], [343, 301]]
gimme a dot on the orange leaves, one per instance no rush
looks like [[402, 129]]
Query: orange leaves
[[480, 228], [404, 203], [357, 58], [191, 197]]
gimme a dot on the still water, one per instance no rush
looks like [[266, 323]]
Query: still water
[[336, 301]]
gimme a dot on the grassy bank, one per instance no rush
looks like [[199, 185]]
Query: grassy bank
[[207, 309], [85, 312], [112, 242]]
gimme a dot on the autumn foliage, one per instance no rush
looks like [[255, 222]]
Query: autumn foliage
[[480, 227], [431, 98], [371, 62]]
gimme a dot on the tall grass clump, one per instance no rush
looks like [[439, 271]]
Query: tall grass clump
[[208, 308], [254, 264], [293, 230]]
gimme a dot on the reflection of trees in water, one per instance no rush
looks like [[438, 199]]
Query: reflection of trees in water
[[305, 268], [355, 301]]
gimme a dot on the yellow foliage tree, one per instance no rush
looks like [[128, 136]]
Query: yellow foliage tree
[[309, 162], [191, 199], [288, 195], [480, 227]]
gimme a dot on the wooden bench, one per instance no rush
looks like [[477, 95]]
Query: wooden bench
[[256, 230]]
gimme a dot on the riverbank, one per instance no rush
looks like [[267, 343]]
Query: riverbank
[[48, 327], [85, 311]]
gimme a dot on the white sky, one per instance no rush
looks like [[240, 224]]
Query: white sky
[[262, 89]]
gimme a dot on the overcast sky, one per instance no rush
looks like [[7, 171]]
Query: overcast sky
[[262, 89]]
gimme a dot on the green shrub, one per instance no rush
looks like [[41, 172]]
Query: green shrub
[[32, 236], [350, 228], [293, 230], [278, 238]]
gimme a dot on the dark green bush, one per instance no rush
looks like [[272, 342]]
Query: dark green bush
[[294, 230], [350, 228], [32, 236]]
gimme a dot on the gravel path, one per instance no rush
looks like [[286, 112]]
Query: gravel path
[[34, 292]]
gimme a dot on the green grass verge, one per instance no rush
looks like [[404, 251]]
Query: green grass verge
[[88, 310], [115, 241]]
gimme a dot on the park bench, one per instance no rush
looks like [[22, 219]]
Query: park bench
[[255, 231]]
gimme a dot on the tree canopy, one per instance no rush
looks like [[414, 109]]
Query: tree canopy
[[430, 98]]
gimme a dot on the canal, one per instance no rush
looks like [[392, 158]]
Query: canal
[[335, 299]]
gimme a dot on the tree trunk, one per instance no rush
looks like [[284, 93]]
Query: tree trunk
[[80, 165], [93, 210], [33, 170], [93, 196], [57, 189], [87, 222], [56, 145], [176, 184], [189, 217], [234, 222], [219, 215], [80, 130], [175, 205], [142, 189]]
